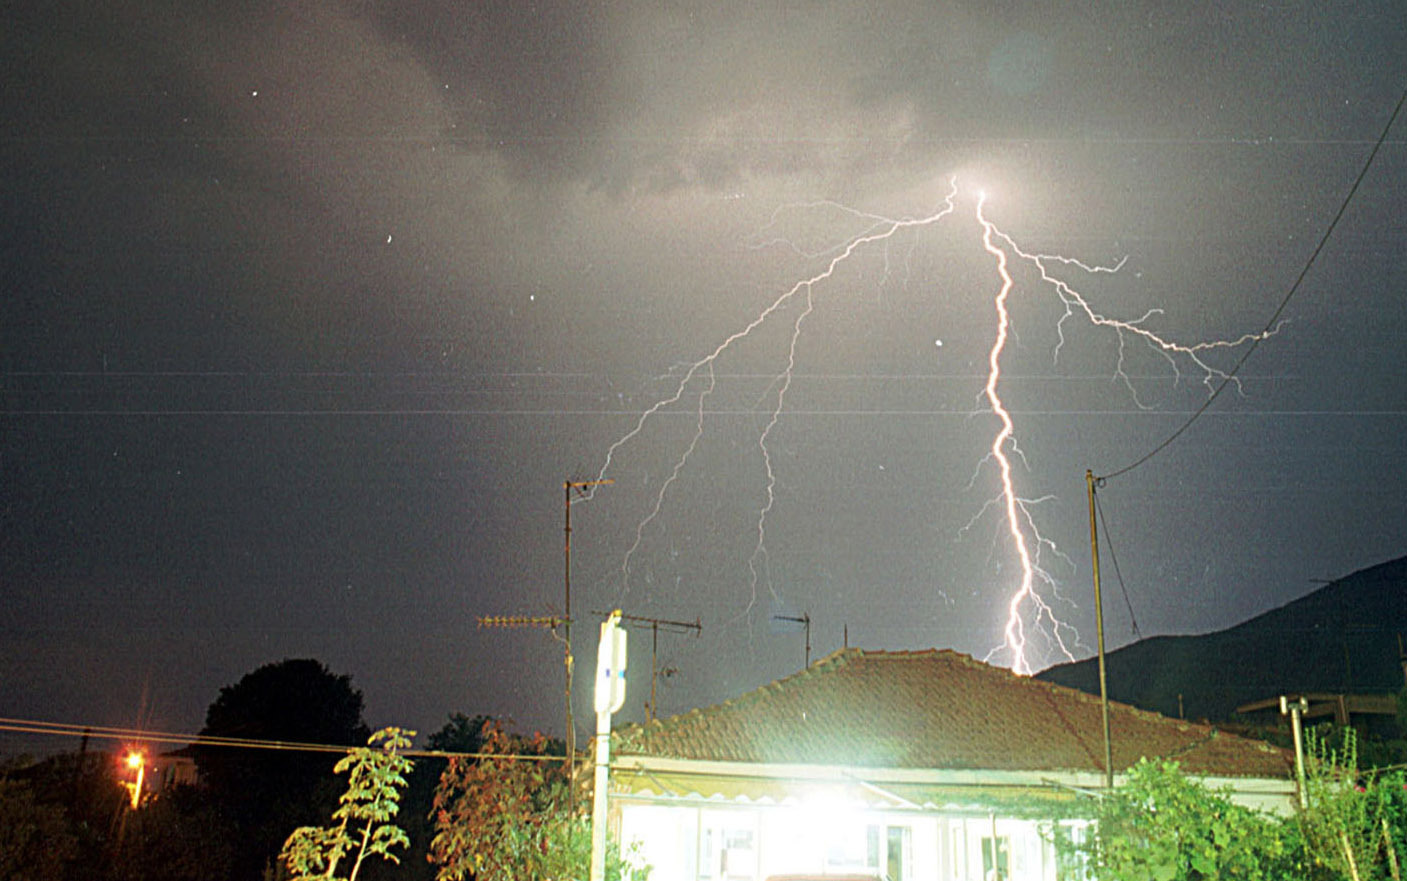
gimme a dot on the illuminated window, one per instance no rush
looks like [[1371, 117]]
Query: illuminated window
[[728, 846], [1071, 855], [896, 853], [853, 849], [870, 849]]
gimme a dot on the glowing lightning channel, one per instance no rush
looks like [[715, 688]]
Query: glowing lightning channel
[[1014, 632], [878, 230], [699, 380]]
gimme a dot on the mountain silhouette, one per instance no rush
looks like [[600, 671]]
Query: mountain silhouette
[[1342, 638]]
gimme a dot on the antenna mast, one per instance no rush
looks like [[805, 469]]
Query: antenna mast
[[804, 619]]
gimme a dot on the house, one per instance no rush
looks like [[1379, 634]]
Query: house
[[1320, 704], [911, 766]]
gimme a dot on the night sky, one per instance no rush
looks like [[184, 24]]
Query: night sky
[[310, 308]]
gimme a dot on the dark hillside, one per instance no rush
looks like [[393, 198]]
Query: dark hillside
[[1340, 638]]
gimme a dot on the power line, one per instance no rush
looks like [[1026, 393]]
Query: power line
[[67, 729], [1113, 558], [1275, 316]]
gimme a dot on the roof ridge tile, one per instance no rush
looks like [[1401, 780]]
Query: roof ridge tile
[[934, 708]]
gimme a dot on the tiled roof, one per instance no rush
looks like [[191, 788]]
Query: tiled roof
[[937, 710]]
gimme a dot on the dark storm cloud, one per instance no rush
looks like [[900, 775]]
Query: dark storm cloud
[[188, 147], [379, 276], [526, 77]]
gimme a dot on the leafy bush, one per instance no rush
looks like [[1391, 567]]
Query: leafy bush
[[504, 817], [1161, 826], [372, 799], [1354, 825]]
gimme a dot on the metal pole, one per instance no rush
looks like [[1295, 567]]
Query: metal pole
[[610, 696], [654, 651], [567, 630], [567, 487], [651, 711], [804, 620], [598, 801], [1294, 710], [1099, 628]]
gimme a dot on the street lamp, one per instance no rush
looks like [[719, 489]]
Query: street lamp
[[610, 696], [138, 763]]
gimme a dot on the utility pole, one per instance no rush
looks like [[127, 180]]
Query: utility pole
[[554, 621], [1295, 708], [580, 486], [804, 619], [1099, 628], [651, 708], [1402, 658]]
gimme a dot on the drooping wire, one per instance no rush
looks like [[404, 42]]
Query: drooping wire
[[1275, 316], [1113, 558], [140, 735]]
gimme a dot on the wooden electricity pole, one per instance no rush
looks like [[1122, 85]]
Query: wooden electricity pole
[[1099, 630]]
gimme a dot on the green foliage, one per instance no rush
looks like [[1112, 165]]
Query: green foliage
[[504, 817], [460, 734], [35, 842], [372, 799], [1353, 826], [175, 836], [1161, 826], [567, 854]]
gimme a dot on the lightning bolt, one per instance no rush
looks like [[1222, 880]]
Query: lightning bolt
[[1014, 632], [1026, 608], [1018, 519], [878, 229]]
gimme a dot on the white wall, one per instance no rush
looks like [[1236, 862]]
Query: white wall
[[687, 842]]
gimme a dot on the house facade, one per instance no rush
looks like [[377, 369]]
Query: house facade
[[908, 766]]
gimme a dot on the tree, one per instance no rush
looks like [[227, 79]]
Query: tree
[[504, 817], [460, 734], [490, 812], [374, 779], [263, 793], [176, 836]]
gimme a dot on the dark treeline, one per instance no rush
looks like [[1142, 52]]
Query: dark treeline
[[69, 816]]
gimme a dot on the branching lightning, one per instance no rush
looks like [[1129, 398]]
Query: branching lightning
[[1025, 604], [880, 229], [1014, 631], [1017, 515]]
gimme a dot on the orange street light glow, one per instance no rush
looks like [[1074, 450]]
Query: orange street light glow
[[138, 762]]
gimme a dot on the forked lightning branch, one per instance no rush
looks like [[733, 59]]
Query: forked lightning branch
[[1021, 607]]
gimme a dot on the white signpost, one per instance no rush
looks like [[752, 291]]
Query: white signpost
[[610, 696]]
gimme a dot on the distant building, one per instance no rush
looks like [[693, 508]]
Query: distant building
[[172, 769], [912, 766], [1321, 705]]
